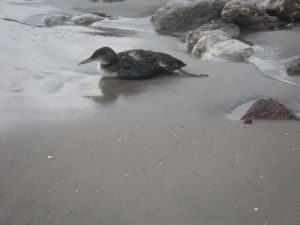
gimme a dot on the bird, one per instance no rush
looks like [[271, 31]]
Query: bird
[[136, 64]]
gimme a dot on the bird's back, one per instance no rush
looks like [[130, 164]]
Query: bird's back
[[167, 62], [142, 64]]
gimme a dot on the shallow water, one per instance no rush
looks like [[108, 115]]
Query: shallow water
[[272, 50]]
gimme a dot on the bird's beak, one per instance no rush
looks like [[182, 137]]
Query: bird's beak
[[86, 61]]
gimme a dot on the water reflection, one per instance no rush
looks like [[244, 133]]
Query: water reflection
[[113, 88]]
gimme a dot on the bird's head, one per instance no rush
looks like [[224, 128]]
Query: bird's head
[[103, 55]]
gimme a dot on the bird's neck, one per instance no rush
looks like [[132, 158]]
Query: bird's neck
[[109, 58], [108, 62]]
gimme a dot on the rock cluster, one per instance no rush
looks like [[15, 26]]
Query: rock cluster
[[288, 10], [211, 29], [250, 16], [217, 40], [185, 15], [207, 38]]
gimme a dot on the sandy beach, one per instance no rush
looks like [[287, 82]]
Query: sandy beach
[[78, 149]]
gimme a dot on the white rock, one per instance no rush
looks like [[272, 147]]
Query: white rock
[[232, 49]]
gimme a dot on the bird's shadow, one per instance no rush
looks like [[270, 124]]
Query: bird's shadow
[[112, 88]]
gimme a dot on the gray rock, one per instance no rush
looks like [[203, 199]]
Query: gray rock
[[56, 20], [293, 66], [184, 15], [250, 16], [86, 19], [288, 10]]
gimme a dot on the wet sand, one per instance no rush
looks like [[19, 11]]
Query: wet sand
[[161, 151], [155, 152]]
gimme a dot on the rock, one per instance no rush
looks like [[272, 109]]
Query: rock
[[205, 40], [268, 109], [293, 66], [56, 20], [229, 28], [113, 0], [232, 49], [199, 41], [184, 15], [250, 16], [86, 19], [217, 43], [288, 10], [217, 31]]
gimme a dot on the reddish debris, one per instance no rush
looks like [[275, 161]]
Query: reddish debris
[[268, 109]]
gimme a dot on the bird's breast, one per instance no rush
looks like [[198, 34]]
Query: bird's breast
[[106, 72]]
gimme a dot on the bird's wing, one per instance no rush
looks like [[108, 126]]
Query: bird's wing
[[130, 68], [165, 61], [140, 56]]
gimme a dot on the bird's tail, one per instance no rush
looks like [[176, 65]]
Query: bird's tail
[[184, 73]]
